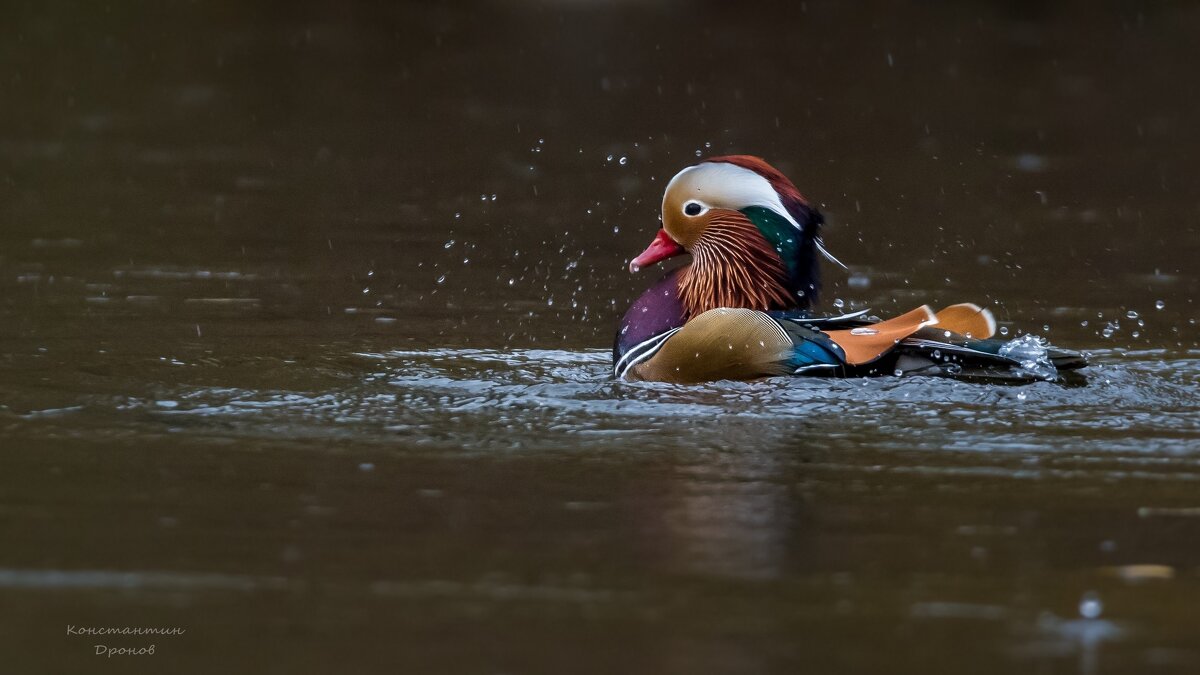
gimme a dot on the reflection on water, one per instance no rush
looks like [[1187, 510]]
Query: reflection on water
[[513, 484], [304, 317]]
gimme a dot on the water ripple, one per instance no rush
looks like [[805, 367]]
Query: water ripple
[[470, 400]]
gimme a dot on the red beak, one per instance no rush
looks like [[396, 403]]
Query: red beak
[[661, 248]]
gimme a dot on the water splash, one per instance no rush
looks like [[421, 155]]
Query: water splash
[[1033, 353]]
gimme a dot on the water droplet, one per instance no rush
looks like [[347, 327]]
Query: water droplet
[[863, 330], [1131, 314], [839, 303], [1004, 330], [623, 161], [1090, 606], [441, 279], [608, 159], [1159, 304], [698, 153], [448, 244], [897, 372]]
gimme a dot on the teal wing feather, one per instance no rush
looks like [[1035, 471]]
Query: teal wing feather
[[813, 352]]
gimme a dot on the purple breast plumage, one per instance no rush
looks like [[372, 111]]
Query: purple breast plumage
[[652, 318]]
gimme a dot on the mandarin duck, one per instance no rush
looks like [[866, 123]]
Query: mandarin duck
[[741, 308]]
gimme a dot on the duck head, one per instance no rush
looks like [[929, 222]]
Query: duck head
[[753, 237]]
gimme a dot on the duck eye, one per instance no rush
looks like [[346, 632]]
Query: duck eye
[[692, 209]]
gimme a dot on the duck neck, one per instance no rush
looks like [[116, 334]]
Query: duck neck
[[734, 266]]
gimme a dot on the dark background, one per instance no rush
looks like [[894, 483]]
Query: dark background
[[1017, 153]]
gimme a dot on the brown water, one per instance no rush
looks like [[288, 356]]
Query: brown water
[[305, 310]]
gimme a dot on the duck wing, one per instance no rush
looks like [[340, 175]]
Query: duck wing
[[720, 344], [743, 344]]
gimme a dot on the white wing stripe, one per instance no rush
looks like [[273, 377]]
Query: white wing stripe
[[640, 352]]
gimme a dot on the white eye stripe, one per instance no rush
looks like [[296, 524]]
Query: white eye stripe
[[729, 186]]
